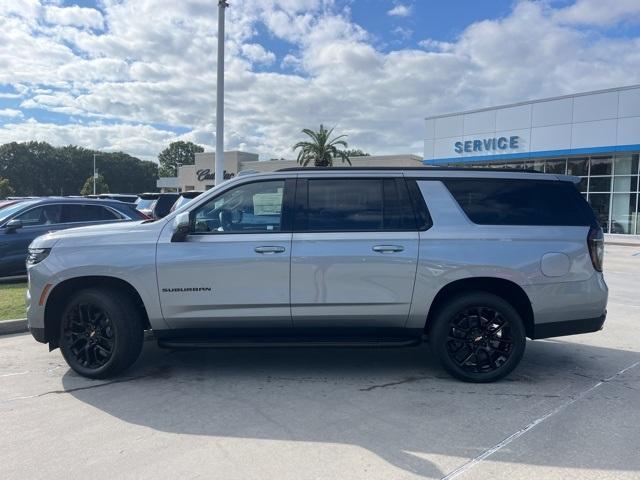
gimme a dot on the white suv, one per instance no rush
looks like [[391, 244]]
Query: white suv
[[474, 261]]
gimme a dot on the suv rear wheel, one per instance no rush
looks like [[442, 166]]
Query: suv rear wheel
[[101, 333], [478, 337]]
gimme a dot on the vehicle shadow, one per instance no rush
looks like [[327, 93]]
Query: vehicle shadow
[[396, 403]]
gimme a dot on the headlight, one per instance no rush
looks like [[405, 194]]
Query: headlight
[[36, 255]]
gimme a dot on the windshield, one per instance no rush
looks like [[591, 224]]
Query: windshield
[[9, 211], [145, 203], [180, 202]]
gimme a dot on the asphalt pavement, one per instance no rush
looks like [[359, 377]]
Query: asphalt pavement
[[571, 410]]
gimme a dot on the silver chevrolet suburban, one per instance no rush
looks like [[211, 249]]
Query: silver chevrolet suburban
[[472, 261]]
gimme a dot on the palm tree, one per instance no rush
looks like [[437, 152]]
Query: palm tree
[[322, 149]]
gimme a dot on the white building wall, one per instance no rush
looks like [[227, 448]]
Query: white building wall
[[575, 124]]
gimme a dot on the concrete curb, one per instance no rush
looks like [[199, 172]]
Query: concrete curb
[[19, 325], [621, 243]]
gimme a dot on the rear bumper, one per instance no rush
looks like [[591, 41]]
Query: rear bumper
[[569, 327]]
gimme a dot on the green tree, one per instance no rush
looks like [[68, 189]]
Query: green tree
[[183, 153], [101, 186], [322, 149], [37, 168], [5, 188], [356, 153]]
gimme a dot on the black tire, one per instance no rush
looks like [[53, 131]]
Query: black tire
[[101, 332], [478, 337]]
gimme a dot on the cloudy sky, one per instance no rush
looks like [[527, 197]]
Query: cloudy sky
[[134, 75]]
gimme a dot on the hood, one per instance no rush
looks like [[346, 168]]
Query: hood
[[94, 233]]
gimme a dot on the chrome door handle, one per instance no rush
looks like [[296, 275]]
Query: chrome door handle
[[269, 250], [388, 248]]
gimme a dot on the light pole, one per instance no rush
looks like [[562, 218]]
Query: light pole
[[219, 167], [95, 174], [178, 165]]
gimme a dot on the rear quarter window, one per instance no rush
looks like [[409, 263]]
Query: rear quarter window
[[520, 202]]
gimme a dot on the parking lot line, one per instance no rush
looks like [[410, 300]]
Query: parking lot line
[[487, 453]]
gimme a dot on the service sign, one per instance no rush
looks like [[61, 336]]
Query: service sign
[[493, 144]]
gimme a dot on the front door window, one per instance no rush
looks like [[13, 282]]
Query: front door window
[[250, 208]]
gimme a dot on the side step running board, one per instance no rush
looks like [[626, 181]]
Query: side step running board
[[177, 343]]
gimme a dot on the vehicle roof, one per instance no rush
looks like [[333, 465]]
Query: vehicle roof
[[154, 195], [72, 200], [434, 172]]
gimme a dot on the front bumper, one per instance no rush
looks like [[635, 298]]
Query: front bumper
[[569, 327], [38, 334]]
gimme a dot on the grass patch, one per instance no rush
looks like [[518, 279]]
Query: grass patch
[[12, 301]]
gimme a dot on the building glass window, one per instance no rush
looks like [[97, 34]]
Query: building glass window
[[600, 184], [578, 167], [538, 165], [626, 164], [556, 166], [600, 204], [624, 216], [601, 166], [625, 184]]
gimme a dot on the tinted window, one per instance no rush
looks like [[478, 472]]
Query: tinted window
[[520, 202], [163, 205], [343, 205], [249, 208], [86, 213], [44, 215]]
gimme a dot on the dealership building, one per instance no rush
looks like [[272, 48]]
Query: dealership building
[[594, 135]]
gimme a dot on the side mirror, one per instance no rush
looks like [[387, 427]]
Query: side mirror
[[181, 227], [13, 225]]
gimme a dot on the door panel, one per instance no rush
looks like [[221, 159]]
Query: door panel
[[354, 253], [340, 280], [233, 270], [224, 281]]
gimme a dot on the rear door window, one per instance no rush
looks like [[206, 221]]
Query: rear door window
[[520, 202], [77, 213], [353, 205]]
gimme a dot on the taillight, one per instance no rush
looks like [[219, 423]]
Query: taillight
[[595, 242]]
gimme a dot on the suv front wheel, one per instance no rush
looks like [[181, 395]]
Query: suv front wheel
[[101, 332], [478, 337]]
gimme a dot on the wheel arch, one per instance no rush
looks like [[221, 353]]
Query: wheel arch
[[506, 289], [61, 292]]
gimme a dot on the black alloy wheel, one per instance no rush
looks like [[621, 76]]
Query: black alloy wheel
[[101, 332], [89, 335], [478, 337]]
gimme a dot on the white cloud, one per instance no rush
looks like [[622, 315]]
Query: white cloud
[[256, 53], [10, 112], [599, 12], [76, 16], [138, 140], [400, 11], [152, 69]]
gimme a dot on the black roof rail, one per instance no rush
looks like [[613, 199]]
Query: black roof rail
[[413, 169]]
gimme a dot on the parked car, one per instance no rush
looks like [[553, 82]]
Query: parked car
[[23, 221], [184, 198], [145, 203], [474, 261], [6, 203], [122, 197], [162, 205]]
